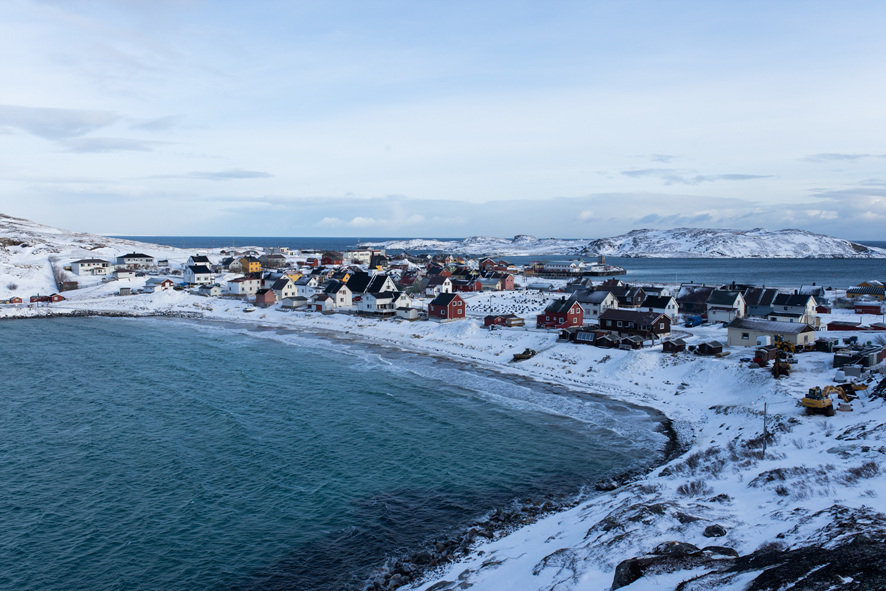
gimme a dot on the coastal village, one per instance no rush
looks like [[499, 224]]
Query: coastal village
[[753, 479]]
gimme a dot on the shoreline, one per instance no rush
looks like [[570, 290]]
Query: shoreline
[[497, 522]]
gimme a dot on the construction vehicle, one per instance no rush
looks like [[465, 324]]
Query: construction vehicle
[[818, 400], [780, 366], [783, 345]]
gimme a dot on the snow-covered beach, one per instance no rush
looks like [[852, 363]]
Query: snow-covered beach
[[759, 484]]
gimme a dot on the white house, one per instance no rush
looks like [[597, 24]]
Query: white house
[[340, 293], [306, 286], [245, 286], [154, 284], [135, 260], [91, 267], [437, 285], [385, 302], [725, 306], [743, 332], [594, 303], [662, 305], [212, 290], [197, 275], [563, 266], [284, 288], [198, 259]]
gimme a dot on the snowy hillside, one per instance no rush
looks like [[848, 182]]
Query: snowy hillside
[[677, 243], [704, 243]]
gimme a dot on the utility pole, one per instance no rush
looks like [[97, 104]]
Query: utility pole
[[764, 429]]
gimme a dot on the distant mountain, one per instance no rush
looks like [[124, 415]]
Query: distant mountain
[[676, 243], [715, 243]]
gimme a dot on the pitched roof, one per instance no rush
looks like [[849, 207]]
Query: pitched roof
[[657, 301], [377, 283], [444, 299], [691, 293], [81, 261], [200, 258], [281, 283], [720, 297], [560, 306], [584, 296], [770, 326], [635, 316], [790, 299], [759, 296], [199, 269], [359, 281]]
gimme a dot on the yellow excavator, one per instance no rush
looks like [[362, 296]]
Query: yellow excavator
[[819, 400]]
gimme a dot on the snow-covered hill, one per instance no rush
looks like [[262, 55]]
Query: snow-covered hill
[[714, 243], [676, 243]]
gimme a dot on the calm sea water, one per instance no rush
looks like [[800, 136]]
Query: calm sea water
[[155, 454], [784, 273]]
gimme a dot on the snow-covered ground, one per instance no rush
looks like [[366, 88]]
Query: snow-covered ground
[[675, 243], [817, 482]]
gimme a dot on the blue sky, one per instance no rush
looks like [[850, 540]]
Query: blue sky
[[394, 118]]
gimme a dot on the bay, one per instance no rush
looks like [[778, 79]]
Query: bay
[[157, 454]]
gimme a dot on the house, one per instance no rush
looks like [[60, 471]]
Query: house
[[331, 258], [378, 261], [653, 290], [383, 303], [725, 306], [244, 286], [794, 308], [561, 313], [648, 325], [213, 290], [135, 260], [124, 274], [743, 332], [340, 293], [563, 267], [91, 267], [197, 275], [594, 303], [359, 256], [673, 346], [307, 286], [661, 304], [503, 320], [272, 261], [294, 303], [381, 283], [868, 308], [446, 307], [47, 299], [874, 292], [407, 313], [466, 285], [14, 300], [437, 284], [507, 280], [627, 296], [198, 259], [265, 298], [154, 285], [284, 287], [692, 298], [489, 284], [322, 303], [758, 300], [250, 264], [709, 348]]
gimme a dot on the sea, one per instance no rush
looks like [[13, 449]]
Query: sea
[[781, 273], [151, 453]]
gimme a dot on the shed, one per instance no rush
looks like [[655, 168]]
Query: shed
[[673, 346], [710, 348]]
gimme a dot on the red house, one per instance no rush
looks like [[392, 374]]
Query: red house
[[869, 308], [447, 306], [561, 313], [265, 298], [331, 258], [15, 300]]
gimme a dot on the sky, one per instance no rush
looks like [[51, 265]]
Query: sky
[[395, 118]]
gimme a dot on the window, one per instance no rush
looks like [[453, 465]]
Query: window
[[661, 326], [618, 323], [745, 336]]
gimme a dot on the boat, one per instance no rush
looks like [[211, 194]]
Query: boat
[[249, 309], [526, 354]]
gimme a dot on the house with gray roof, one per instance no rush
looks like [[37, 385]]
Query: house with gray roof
[[743, 332]]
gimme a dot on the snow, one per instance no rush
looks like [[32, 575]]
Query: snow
[[675, 243], [793, 493]]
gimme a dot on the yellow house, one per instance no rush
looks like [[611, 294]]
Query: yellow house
[[250, 265], [294, 276]]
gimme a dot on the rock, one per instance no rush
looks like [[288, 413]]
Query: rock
[[685, 517], [723, 550], [714, 531], [675, 549]]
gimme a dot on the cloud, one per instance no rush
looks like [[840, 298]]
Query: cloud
[[159, 124], [54, 124], [108, 144], [838, 157], [227, 175], [672, 176], [368, 222], [663, 158]]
